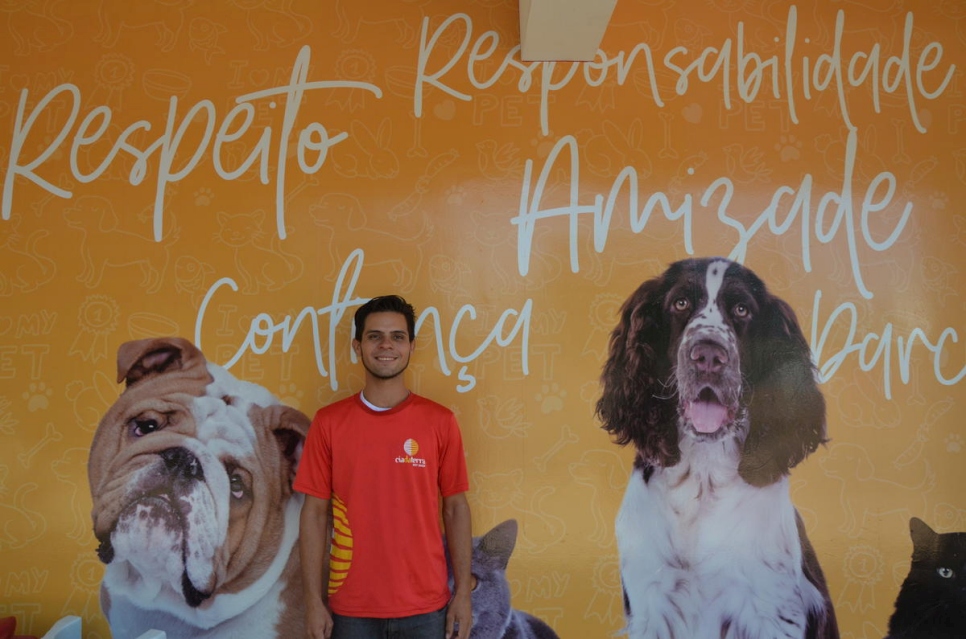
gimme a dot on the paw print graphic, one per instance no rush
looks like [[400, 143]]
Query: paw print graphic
[[789, 148], [954, 443], [455, 195], [551, 398], [939, 200], [543, 144], [204, 196], [37, 396], [290, 395]]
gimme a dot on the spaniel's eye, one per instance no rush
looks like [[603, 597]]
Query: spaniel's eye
[[741, 311], [237, 485], [682, 304], [945, 573]]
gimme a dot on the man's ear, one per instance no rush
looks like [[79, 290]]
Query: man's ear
[[357, 347]]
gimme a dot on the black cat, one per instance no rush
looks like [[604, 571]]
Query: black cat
[[932, 600]]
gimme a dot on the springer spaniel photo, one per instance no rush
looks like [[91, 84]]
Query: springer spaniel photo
[[711, 379]]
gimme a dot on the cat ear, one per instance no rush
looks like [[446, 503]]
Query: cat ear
[[498, 544], [920, 531]]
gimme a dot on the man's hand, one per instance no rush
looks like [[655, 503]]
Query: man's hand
[[456, 519], [314, 534], [459, 612], [318, 621]]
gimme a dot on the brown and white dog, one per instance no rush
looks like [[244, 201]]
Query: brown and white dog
[[711, 379], [190, 474]]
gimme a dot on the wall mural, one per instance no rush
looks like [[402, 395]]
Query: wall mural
[[222, 184]]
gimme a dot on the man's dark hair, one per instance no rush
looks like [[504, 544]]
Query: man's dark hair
[[386, 304]]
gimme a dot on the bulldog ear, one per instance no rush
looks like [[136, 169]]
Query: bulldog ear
[[290, 427], [141, 358]]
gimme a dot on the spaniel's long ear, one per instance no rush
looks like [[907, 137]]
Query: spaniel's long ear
[[636, 405], [786, 407]]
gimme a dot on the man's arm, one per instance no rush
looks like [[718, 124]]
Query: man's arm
[[456, 519], [314, 552]]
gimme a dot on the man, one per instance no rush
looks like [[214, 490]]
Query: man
[[377, 464]]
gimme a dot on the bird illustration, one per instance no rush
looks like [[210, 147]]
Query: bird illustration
[[502, 417], [498, 161], [746, 165]]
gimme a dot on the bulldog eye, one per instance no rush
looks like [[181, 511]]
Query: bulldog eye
[[141, 426], [239, 481], [682, 304], [237, 485], [741, 311], [945, 573]]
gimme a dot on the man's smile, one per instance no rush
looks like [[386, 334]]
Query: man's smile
[[385, 346]]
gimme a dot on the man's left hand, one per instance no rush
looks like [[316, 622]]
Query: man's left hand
[[459, 615]]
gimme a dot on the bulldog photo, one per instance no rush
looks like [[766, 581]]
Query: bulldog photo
[[191, 480]]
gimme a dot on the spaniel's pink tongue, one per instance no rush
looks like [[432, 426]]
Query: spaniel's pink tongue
[[707, 417]]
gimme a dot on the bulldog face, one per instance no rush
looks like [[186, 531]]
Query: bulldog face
[[190, 474]]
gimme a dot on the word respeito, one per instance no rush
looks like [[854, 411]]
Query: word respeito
[[313, 140]]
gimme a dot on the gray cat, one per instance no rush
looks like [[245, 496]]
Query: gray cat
[[493, 618]]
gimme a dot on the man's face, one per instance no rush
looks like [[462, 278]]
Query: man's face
[[384, 346]]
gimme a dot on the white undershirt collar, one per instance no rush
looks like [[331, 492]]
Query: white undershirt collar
[[371, 405]]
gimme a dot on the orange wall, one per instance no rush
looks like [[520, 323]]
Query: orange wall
[[422, 157]]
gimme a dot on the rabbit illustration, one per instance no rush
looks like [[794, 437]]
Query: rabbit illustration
[[367, 155]]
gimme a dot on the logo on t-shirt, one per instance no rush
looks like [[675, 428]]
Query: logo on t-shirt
[[411, 447]]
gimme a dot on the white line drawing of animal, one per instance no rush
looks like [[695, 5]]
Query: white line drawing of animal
[[867, 497], [106, 245], [36, 25], [261, 266], [366, 154], [165, 16]]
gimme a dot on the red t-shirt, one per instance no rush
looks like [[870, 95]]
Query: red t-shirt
[[384, 472]]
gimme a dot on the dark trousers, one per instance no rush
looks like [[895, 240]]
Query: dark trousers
[[431, 625]]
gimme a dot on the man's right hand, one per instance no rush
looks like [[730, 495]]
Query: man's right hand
[[318, 622], [314, 534]]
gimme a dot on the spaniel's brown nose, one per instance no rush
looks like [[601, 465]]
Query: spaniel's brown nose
[[709, 358]]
